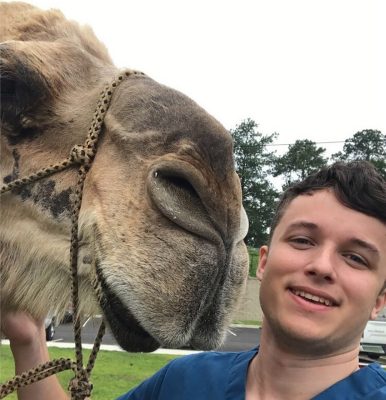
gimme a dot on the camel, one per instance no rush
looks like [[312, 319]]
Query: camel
[[161, 223]]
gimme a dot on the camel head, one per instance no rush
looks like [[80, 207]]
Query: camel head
[[161, 225]]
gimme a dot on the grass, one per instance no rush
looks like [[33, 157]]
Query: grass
[[114, 372], [247, 322], [253, 261]]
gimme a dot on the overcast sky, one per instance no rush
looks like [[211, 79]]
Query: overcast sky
[[311, 69]]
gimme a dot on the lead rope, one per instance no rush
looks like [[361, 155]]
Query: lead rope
[[80, 386]]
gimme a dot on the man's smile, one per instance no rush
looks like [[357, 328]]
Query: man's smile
[[314, 295]]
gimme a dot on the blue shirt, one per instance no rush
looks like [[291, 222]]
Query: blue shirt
[[222, 376]]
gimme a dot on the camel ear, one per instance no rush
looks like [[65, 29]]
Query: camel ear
[[23, 89]]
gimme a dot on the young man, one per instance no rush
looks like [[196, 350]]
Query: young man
[[322, 278]]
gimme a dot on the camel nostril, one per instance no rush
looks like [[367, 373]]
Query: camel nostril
[[175, 195], [177, 184]]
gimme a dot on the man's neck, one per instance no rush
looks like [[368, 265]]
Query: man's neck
[[278, 374]]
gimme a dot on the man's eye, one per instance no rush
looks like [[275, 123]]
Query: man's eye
[[301, 241], [355, 258]]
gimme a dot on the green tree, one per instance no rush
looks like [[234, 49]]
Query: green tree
[[369, 145], [301, 158], [254, 163]]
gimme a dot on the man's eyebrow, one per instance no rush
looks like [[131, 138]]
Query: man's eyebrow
[[303, 224], [364, 244]]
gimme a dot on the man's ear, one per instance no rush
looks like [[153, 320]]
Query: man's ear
[[23, 88], [263, 255], [379, 304]]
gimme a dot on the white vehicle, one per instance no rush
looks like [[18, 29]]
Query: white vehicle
[[373, 342]]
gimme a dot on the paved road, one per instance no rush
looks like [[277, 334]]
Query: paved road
[[241, 339], [238, 338]]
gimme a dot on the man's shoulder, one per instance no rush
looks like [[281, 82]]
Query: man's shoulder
[[377, 370], [368, 383], [210, 359]]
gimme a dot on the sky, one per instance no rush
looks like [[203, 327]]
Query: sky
[[306, 69]]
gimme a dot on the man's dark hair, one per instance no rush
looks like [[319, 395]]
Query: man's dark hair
[[357, 185]]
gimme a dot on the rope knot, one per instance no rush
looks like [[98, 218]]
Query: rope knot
[[80, 388], [81, 154]]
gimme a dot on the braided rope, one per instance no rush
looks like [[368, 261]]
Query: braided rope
[[40, 372], [82, 155]]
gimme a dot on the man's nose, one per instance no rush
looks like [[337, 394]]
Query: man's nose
[[323, 265]]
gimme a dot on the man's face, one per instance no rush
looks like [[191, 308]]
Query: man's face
[[322, 277]]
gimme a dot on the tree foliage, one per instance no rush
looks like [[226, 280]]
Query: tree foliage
[[369, 145], [302, 158], [254, 163]]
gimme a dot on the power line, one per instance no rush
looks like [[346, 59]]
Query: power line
[[288, 144]]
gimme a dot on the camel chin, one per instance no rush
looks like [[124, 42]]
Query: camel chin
[[124, 326]]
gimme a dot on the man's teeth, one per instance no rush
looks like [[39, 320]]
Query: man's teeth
[[312, 297]]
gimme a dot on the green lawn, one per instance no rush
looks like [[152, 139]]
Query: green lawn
[[253, 261], [114, 372], [247, 322]]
